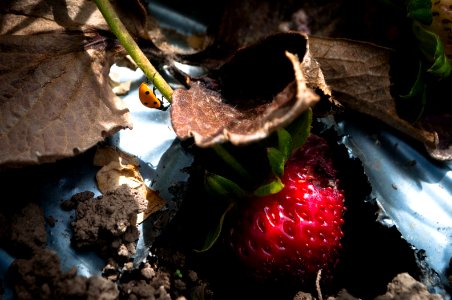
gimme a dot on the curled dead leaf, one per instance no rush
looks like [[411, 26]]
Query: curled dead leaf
[[235, 105], [262, 89]]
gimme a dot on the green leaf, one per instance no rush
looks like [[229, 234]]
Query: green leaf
[[420, 10], [284, 143], [441, 67], [214, 234], [277, 161], [270, 188], [432, 48], [418, 86], [221, 186], [300, 128], [418, 92], [231, 161]]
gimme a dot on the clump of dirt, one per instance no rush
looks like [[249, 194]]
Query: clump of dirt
[[160, 278], [403, 286], [75, 199], [108, 222], [107, 225], [24, 230], [40, 277]]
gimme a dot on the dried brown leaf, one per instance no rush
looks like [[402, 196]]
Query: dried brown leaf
[[241, 23], [245, 22], [354, 74], [115, 174], [105, 155], [257, 97], [358, 75], [32, 16], [55, 99], [119, 168]]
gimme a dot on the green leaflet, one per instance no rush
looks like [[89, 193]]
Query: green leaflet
[[419, 85], [226, 189], [418, 91], [284, 143], [295, 136], [441, 66], [288, 139], [300, 128], [270, 188], [420, 10], [277, 161], [214, 234], [434, 64], [277, 157], [231, 161], [223, 187], [432, 48]]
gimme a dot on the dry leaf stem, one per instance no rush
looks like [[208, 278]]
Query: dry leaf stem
[[126, 40]]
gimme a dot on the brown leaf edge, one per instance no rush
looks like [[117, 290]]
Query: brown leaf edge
[[261, 89], [358, 74], [349, 73], [54, 97]]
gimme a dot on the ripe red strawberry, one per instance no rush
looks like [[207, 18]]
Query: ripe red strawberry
[[297, 231]]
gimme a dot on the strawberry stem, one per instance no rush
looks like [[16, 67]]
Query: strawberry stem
[[222, 186], [216, 232], [232, 162], [127, 41]]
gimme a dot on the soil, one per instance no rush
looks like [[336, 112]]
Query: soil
[[25, 230], [108, 222], [40, 277], [376, 262]]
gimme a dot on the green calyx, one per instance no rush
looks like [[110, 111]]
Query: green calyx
[[222, 188], [288, 140]]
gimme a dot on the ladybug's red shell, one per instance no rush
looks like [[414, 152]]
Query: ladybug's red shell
[[148, 97]]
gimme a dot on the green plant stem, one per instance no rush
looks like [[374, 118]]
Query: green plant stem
[[126, 40], [232, 162]]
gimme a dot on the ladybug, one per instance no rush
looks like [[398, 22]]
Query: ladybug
[[148, 97]]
